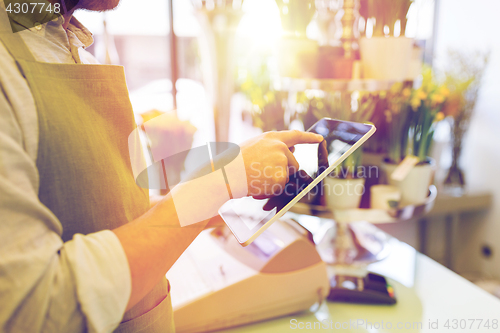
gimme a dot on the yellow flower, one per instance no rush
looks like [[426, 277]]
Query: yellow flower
[[415, 103], [406, 92], [246, 85], [444, 91], [439, 116], [421, 94], [396, 87], [427, 77], [437, 99]]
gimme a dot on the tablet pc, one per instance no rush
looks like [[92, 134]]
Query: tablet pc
[[248, 217]]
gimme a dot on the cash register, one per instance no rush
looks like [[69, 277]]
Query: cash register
[[217, 283]]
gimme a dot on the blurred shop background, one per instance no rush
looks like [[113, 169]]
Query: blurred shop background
[[232, 82]]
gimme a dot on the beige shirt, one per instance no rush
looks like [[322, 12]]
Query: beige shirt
[[47, 285]]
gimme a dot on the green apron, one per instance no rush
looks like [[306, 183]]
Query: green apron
[[86, 180]]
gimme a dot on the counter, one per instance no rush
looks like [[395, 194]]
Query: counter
[[431, 298]]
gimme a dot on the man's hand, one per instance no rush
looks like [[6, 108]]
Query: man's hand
[[269, 160]]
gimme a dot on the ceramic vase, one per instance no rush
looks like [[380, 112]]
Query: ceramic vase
[[343, 193], [415, 186]]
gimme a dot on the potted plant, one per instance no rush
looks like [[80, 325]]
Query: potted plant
[[414, 114], [298, 54], [385, 56], [344, 187], [265, 104], [270, 115]]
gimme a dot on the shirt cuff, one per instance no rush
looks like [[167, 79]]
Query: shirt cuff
[[102, 277]]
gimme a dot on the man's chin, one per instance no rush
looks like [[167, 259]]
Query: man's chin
[[93, 5]]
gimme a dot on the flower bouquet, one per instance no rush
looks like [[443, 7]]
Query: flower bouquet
[[464, 78]]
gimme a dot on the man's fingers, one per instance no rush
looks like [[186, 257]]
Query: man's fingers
[[291, 138], [293, 165]]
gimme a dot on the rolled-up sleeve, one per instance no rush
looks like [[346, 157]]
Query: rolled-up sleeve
[[47, 285]]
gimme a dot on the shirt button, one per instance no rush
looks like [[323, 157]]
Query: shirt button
[[38, 26]]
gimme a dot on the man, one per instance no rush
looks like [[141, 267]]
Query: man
[[80, 250]]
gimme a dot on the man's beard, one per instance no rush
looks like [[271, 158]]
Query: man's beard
[[93, 5]]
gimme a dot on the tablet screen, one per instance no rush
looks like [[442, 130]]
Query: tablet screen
[[245, 216]]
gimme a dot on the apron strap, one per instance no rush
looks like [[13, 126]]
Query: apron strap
[[16, 46], [13, 42]]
